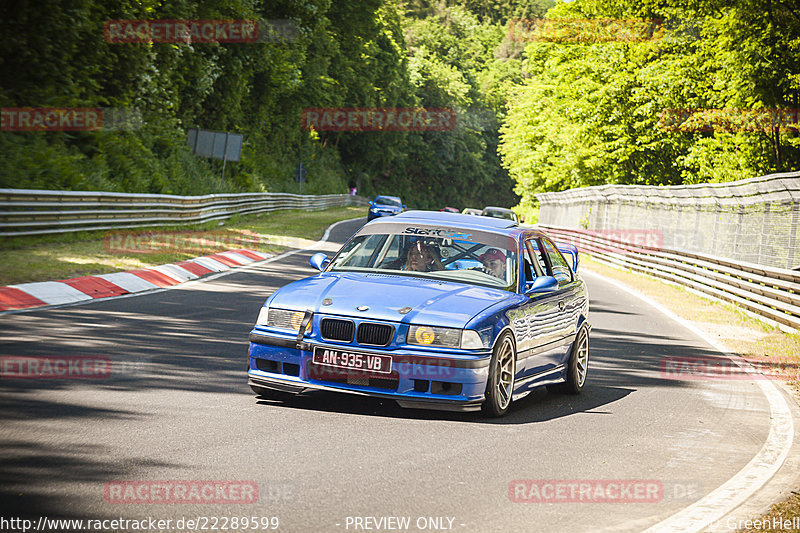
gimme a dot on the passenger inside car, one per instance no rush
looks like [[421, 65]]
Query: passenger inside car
[[420, 257]]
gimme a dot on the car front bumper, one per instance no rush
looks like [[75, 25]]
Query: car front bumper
[[418, 379], [378, 214]]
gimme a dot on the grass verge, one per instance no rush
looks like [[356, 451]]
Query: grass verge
[[778, 516], [55, 257], [767, 347]]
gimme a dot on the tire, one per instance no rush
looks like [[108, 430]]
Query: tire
[[577, 366], [500, 383]]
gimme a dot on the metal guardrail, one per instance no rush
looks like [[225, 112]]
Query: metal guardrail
[[771, 292], [756, 220], [40, 212]]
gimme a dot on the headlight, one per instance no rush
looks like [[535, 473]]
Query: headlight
[[434, 336], [283, 319]]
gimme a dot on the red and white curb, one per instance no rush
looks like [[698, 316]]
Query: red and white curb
[[29, 295]]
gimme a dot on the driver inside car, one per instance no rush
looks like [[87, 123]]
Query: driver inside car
[[494, 261]]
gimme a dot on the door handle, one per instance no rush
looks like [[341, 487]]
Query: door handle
[[561, 305]]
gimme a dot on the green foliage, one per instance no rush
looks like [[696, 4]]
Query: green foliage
[[531, 116], [593, 112], [362, 53]]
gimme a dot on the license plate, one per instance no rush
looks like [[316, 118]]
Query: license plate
[[367, 362]]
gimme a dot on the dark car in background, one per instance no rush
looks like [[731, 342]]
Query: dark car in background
[[384, 206], [500, 212]]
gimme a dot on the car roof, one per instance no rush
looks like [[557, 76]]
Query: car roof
[[492, 208], [452, 219], [390, 197]]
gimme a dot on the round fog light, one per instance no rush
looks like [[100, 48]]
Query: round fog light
[[424, 335]]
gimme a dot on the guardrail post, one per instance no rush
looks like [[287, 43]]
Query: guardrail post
[[792, 238], [764, 230], [717, 215], [736, 230], [696, 230]]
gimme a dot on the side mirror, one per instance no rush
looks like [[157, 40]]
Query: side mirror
[[405, 206], [371, 203], [541, 285], [319, 261]]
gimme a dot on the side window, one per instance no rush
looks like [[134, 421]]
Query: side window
[[538, 258], [533, 264], [561, 270]]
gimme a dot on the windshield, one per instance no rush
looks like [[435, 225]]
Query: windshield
[[384, 200], [491, 263]]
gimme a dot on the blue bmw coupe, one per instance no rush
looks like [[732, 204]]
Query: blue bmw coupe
[[384, 206], [433, 310]]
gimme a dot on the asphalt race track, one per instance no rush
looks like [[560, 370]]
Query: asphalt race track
[[176, 407]]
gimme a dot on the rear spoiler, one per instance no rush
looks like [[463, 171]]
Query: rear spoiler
[[571, 250]]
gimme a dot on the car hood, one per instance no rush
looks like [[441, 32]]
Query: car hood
[[431, 302]]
